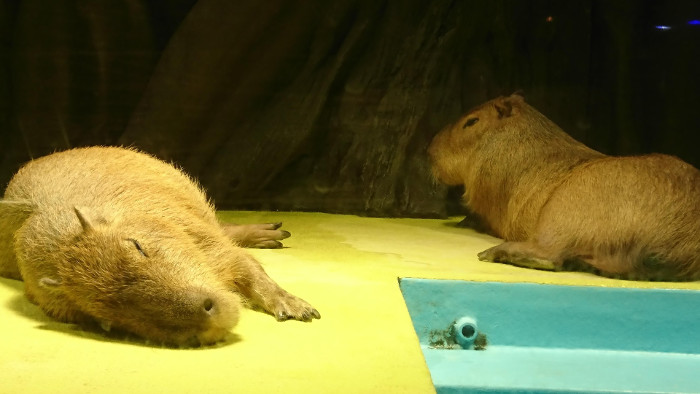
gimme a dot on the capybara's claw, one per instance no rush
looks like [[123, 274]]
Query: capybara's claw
[[309, 315], [487, 255], [282, 316], [521, 254], [312, 314], [268, 245], [290, 307]]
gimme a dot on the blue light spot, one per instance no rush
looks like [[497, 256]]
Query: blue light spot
[[662, 27], [694, 22]]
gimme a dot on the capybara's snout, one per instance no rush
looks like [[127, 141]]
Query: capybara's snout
[[445, 157], [219, 310], [189, 316], [205, 308]]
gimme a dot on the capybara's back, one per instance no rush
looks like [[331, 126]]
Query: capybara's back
[[560, 205], [115, 236], [122, 178]]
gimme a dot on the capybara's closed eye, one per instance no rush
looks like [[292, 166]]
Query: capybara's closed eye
[[470, 122]]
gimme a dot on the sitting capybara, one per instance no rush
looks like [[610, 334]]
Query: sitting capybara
[[116, 237], [560, 205]]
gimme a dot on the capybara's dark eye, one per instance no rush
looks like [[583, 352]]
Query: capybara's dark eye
[[138, 247], [470, 122]]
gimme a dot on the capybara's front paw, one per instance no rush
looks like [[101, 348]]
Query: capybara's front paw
[[263, 236], [521, 254], [287, 307]]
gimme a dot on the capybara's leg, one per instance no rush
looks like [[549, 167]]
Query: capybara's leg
[[264, 236], [263, 292], [623, 266], [522, 254], [473, 221], [12, 216]]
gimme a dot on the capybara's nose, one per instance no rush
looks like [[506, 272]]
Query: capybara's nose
[[208, 305]]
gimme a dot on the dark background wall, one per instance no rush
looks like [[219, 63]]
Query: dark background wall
[[329, 105]]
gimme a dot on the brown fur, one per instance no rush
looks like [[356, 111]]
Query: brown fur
[[116, 236], [561, 205]]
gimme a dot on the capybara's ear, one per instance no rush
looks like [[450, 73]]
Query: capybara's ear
[[519, 94], [504, 108], [85, 217]]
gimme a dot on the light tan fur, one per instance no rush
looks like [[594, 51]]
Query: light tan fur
[[560, 205], [116, 236]]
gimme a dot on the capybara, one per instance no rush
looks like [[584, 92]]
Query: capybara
[[116, 237], [560, 205]]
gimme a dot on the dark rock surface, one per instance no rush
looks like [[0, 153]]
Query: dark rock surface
[[329, 105]]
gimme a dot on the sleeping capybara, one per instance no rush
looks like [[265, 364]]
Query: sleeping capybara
[[560, 205], [116, 237]]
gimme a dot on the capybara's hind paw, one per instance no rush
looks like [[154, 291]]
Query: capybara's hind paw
[[521, 254], [263, 236], [288, 307]]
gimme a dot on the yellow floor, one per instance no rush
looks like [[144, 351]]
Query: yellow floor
[[346, 266]]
